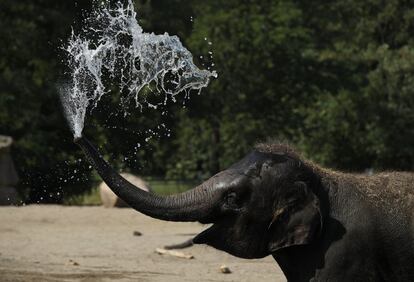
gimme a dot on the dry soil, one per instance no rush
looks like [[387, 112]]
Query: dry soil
[[56, 243]]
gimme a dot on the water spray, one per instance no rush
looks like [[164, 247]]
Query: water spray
[[113, 45]]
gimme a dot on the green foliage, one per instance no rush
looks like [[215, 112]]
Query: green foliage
[[88, 198], [332, 77], [335, 78], [366, 119], [30, 33]]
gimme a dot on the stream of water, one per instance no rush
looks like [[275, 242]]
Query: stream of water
[[112, 49]]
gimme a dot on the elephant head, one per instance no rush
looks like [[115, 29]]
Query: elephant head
[[265, 202]]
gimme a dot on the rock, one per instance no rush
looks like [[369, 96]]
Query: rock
[[72, 262], [225, 269], [137, 233], [110, 200]]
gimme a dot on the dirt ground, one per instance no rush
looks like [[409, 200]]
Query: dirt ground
[[56, 243]]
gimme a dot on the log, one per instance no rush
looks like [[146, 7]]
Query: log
[[173, 253]]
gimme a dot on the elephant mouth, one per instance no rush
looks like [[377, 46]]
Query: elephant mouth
[[205, 236], [213, 236]]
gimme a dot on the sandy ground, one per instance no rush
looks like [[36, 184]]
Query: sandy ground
[[55, 243]]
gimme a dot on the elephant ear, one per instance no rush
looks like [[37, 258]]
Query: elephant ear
[[296, 219]]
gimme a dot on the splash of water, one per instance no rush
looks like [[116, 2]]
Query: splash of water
[[113, 45]]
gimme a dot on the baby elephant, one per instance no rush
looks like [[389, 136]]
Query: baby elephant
[[318, 224]]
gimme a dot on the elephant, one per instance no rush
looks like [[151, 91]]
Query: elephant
[[318, 224], [186, 244]]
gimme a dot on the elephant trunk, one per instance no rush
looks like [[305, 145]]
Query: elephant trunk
[[193, 205]]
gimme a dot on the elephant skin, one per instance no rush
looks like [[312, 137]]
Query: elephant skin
[[318, 224], [110, 199]]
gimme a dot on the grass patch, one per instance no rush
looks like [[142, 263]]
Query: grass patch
[[90, 198]]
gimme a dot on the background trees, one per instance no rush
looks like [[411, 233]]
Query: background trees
[[334, 78]]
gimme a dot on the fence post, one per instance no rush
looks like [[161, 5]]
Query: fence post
[[8, 174]]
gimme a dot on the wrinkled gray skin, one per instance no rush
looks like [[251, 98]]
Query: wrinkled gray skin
[[318, 225]]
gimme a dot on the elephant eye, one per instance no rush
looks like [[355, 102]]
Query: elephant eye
[[231, 201]]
